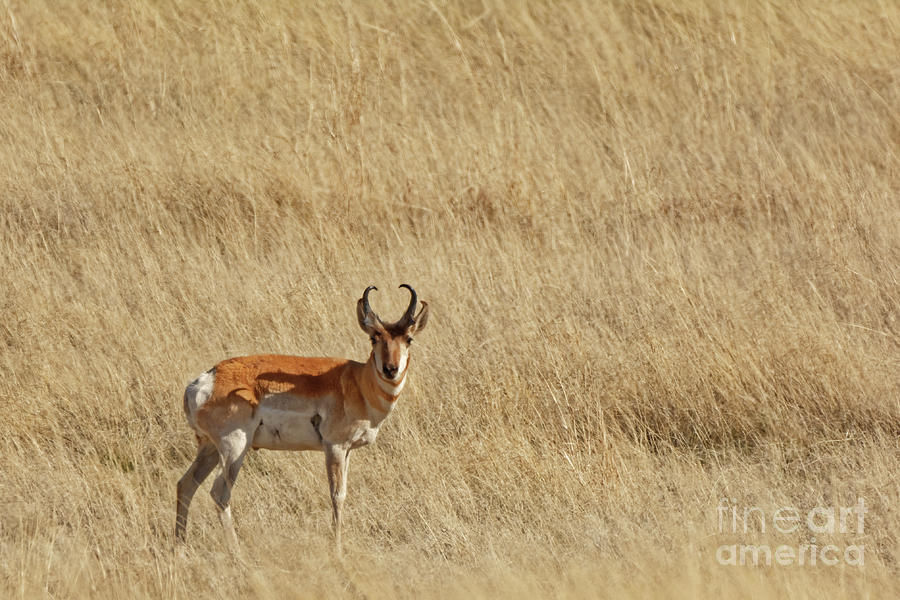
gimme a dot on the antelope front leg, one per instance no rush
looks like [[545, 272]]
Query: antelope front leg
[[337, 460]]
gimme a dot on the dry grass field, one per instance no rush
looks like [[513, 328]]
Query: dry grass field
[[660, 241]]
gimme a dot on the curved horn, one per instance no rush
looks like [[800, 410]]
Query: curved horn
[[365, 299], [408, 317]]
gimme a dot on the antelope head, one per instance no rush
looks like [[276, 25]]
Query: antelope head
[[391, 341]]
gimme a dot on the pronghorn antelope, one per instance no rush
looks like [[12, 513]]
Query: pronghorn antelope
[[292, 403]]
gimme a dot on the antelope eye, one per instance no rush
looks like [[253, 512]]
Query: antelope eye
[[409, 340], [373, 340]]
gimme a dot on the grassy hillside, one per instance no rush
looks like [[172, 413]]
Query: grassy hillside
[[660, 242]]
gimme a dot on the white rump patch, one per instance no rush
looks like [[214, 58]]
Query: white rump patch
[[197, 393]]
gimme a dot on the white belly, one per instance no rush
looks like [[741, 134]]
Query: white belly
[[287, 423]]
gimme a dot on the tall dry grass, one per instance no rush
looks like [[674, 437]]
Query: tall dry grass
[[659, 240]]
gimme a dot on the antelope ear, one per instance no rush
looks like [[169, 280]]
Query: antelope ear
[[421, 319], [365, 318]]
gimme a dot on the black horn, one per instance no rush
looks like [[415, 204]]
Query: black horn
[[408, 317], [365, 299]]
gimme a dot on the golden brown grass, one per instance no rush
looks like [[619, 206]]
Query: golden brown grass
[[659, 240]]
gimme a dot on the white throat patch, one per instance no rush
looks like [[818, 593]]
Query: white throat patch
[[390, 388]]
